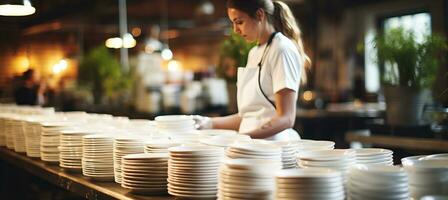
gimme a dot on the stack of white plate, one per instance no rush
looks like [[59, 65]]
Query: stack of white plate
[[125, 145], [337, 159], [248, 179], [70, 149], [434, 197], [9, 132], [428, 175], [97, 156], [309, 184], [19, 134], [193, 171], [224, 140], [249, 149], [377, 182], [176, 126], [159, 146], [374, 156], [141, 124], [313, 145], [32, 137], [2, 129], [49, 141], [289, 149], [145, 173], [215, 132]]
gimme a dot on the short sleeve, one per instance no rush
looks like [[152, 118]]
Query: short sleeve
[[286, 70]]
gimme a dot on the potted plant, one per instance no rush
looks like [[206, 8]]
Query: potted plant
[[407, 71], [233, 54], [101, 73]]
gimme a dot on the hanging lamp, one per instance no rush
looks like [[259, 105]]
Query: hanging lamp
[[16, 8]]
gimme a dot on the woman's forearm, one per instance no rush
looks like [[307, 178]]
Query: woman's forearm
[[274, 126], [227, 122]]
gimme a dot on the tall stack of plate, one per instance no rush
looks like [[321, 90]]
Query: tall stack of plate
[[70, 149], [9, 131], [337, 159], [145, 173], [19, 134], [125, 145], [428, 175], [309, 184], [176, 126], [2, 129], [377, 182], [216, 132], [32, 136], [97, 157], [289, 155], [160, 146], [193, 171], [249, 149], [224, 140], [313, 145], [49, 141], [374, 156], [247, 179]]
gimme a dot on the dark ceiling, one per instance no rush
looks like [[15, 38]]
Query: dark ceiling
[[100, 17]]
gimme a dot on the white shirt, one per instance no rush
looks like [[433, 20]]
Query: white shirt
[[280, 70], [281, 67]]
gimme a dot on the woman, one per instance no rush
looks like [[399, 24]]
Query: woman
[[31, 90], [268, 85]]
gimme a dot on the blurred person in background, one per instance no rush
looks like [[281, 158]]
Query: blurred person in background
[[30, 90], [269, 84]]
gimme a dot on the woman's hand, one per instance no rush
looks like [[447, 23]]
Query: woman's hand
[[202, 122]]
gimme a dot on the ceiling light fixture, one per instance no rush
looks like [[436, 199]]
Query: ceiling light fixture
[[17, 8]]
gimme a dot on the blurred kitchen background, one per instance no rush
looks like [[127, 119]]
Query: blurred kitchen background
[[180, 57]]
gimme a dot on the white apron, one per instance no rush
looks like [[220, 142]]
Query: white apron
[[254, 108]]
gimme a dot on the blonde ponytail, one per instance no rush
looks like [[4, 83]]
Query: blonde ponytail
[[284, 21]]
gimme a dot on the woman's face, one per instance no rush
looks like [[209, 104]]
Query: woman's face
[[243, 24]]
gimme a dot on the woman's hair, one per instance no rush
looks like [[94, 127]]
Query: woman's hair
[[280, 16]]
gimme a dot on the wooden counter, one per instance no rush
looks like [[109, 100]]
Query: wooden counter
[[76, 183], [400, 142]]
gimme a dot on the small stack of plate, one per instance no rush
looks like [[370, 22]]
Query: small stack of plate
[[19, 134], [160, 146], [289, 150], [250, 149], [247, 179], [2, 129], [224, 140], [9, 131], [97, 157], [206, 133], [377, 182], [49, 141], [313, 145], [176, 126], [337, 159], [70, 149], [428, 175], [309, 184], [374, 156], [125, 145], [32, 137], [145, 173], [193, 171]]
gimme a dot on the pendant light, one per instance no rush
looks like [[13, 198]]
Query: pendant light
[[16, 8]]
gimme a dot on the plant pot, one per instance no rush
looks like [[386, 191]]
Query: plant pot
[[404, 105]]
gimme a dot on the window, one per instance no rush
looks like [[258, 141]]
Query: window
[[419, 24]]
